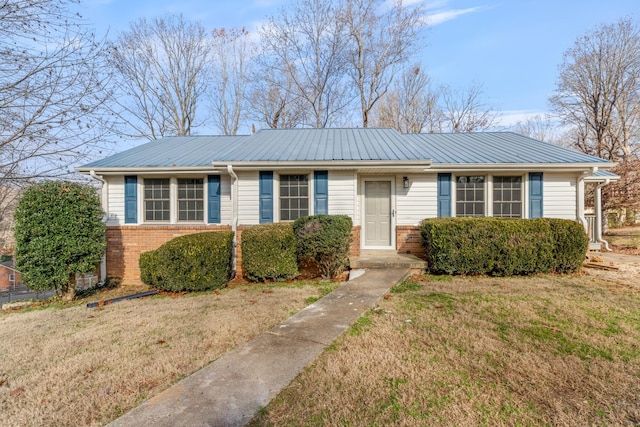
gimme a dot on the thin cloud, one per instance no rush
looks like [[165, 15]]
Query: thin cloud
[[441, 16], [510, 118]]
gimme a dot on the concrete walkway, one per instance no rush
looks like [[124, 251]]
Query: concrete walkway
[[230, 391]]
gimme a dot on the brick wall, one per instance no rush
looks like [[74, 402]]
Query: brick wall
[[354, 250], [5, 283], [126, 243], [408, 240]]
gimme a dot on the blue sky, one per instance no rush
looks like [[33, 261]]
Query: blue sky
[[511, 47]]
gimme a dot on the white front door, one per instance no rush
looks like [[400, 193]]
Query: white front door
[[377, 214]]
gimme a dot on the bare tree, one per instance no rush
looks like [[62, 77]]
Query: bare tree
[[273, 101], [381, 38], [231, 57], [9, 195], [306, 46], [465, 110], [625, 193], [598, 90], [540, 127], [411, 107], [163, 72], [52, 90]]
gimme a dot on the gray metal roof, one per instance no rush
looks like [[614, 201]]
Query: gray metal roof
[[496, 148], [602, 175], [329, 144], [353, 145], [185, 151]]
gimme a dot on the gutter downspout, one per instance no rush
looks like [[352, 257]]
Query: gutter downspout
[[598, 207], [580, 201], [234, 217], [105, 208]]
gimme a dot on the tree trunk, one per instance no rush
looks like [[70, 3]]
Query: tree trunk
[[69, 291]]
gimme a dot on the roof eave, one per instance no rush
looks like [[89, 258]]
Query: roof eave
[[327, 164], [119, 170], [490, 167], [280, 165]]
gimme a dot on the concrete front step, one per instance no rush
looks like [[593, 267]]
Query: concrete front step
[[387, 259]]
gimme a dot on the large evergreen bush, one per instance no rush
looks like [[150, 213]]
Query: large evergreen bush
[[194, 262], [269, 252], [59, 233]]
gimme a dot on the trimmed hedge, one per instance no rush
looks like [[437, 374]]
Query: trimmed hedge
[[194, 262], [502, 247], [326, 239], [269, 252], [571, 244]]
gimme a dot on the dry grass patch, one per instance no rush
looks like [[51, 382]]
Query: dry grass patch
[[625, 239], [79, 366], [442, 351]]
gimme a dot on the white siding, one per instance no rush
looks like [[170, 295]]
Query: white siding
[[417, 202], [342, 194], [115, 188], [116, 199], [248, 198], [559, 195]]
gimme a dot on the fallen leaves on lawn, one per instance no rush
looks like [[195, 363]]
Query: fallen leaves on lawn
[[17, 392]]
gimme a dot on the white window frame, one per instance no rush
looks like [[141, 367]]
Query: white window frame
[[522, 194], [173, 200], [276, 192], [142, 204], [177, 201], [484, 189], [488, 191], [12, 277]]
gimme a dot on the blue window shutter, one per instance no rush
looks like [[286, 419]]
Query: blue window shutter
[[130, 199], [444, 194], [266, 197], [213, 199], [321, 192], [535, 195]]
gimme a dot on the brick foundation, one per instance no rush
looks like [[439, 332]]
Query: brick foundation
[[354, 250], [408, 240], [126, 243]]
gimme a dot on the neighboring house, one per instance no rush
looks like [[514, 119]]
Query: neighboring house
[[9, 276], [385, 181]]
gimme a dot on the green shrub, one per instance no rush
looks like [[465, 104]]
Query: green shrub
[[149, 266], [269, 252], [502, 247], [570, 245], [194, 262], [326, 239], [59, 234]]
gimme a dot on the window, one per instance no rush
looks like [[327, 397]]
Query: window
[[294, 197], [190, 200], [12, 277], [157, 205], [470, 196], [507, 196]]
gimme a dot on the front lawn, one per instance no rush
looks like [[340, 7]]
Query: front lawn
[[66, 365], [442, 351]]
